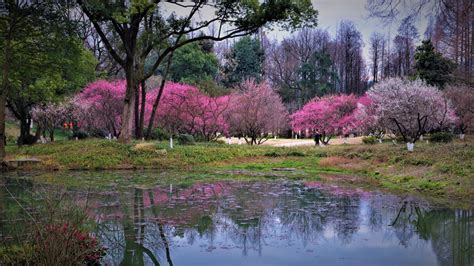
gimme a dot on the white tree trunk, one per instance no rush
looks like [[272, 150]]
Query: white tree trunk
[[410, 146]]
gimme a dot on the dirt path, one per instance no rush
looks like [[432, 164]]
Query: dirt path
[[301, 142]]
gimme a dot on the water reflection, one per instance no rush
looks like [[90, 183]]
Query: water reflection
[[270, 223]]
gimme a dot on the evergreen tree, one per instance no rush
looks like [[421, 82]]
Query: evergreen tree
[[431, 66], [193, 64], [317, 77], [244, 61]]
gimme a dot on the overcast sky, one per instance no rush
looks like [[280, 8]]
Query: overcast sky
[[331, 12]]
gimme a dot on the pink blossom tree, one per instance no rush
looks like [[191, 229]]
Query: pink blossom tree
[[53, 115], [184, 109], [410, 108], [462, 98], [366, 119], [48, 117], [102, 105], [329, 115], [256, 112]]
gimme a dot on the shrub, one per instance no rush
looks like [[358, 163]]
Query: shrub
[[17, 255], [369, 140], [159, 134], [439, 137], [80, 135], [54, 240], [186, 139], [272, 154], [54, 231], [296, 154]]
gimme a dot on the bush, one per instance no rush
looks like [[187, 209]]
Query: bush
[[369, 140], [186, 139], [439, 137], [296, 154], [79, 135], [159, 134], [17, 255], [54, 240]]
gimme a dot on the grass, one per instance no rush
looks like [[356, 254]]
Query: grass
[[442, 171]]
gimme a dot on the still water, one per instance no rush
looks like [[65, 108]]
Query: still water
[[275, 222]]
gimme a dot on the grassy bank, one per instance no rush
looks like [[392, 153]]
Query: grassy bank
[[442, 171]]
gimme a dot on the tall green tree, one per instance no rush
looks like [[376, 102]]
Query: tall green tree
[[45, 68], [147, 27], [40, 57], [431, 66], [317, 76], [244, 61], [191, 64]]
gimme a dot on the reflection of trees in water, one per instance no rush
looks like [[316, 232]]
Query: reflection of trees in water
[[304, 213], [404, 223], [249, 213], [451, 232], [307, 212], [138, 241], [16, 200]]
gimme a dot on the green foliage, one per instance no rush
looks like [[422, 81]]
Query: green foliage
[[186, 139], [191, 64], [17, 255], [159, 134], [244, 61], [431, 66], [369, 140], [317, 76], [443, 137]]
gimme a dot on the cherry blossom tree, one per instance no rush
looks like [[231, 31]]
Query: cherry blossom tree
[[410, 108], [255, 112], [54, 115], [366, 119], [184, 109], [48, 117], [462, 98], [329, 115], [102, 104]]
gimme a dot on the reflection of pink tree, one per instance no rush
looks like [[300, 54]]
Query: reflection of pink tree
[[256, 112], [410, 108], [329, 115]]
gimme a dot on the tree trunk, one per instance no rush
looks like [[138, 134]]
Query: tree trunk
[[140, 110], [3, 94], [158, 98], [51, 134], [129, 105], [25, 136], [136, 119], [2, 125]]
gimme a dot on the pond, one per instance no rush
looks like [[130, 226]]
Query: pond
[[270, 222]]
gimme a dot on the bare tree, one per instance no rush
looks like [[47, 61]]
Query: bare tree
[[451, 30], [286, 63], [377, 43], [407, 34], [348, 58]]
